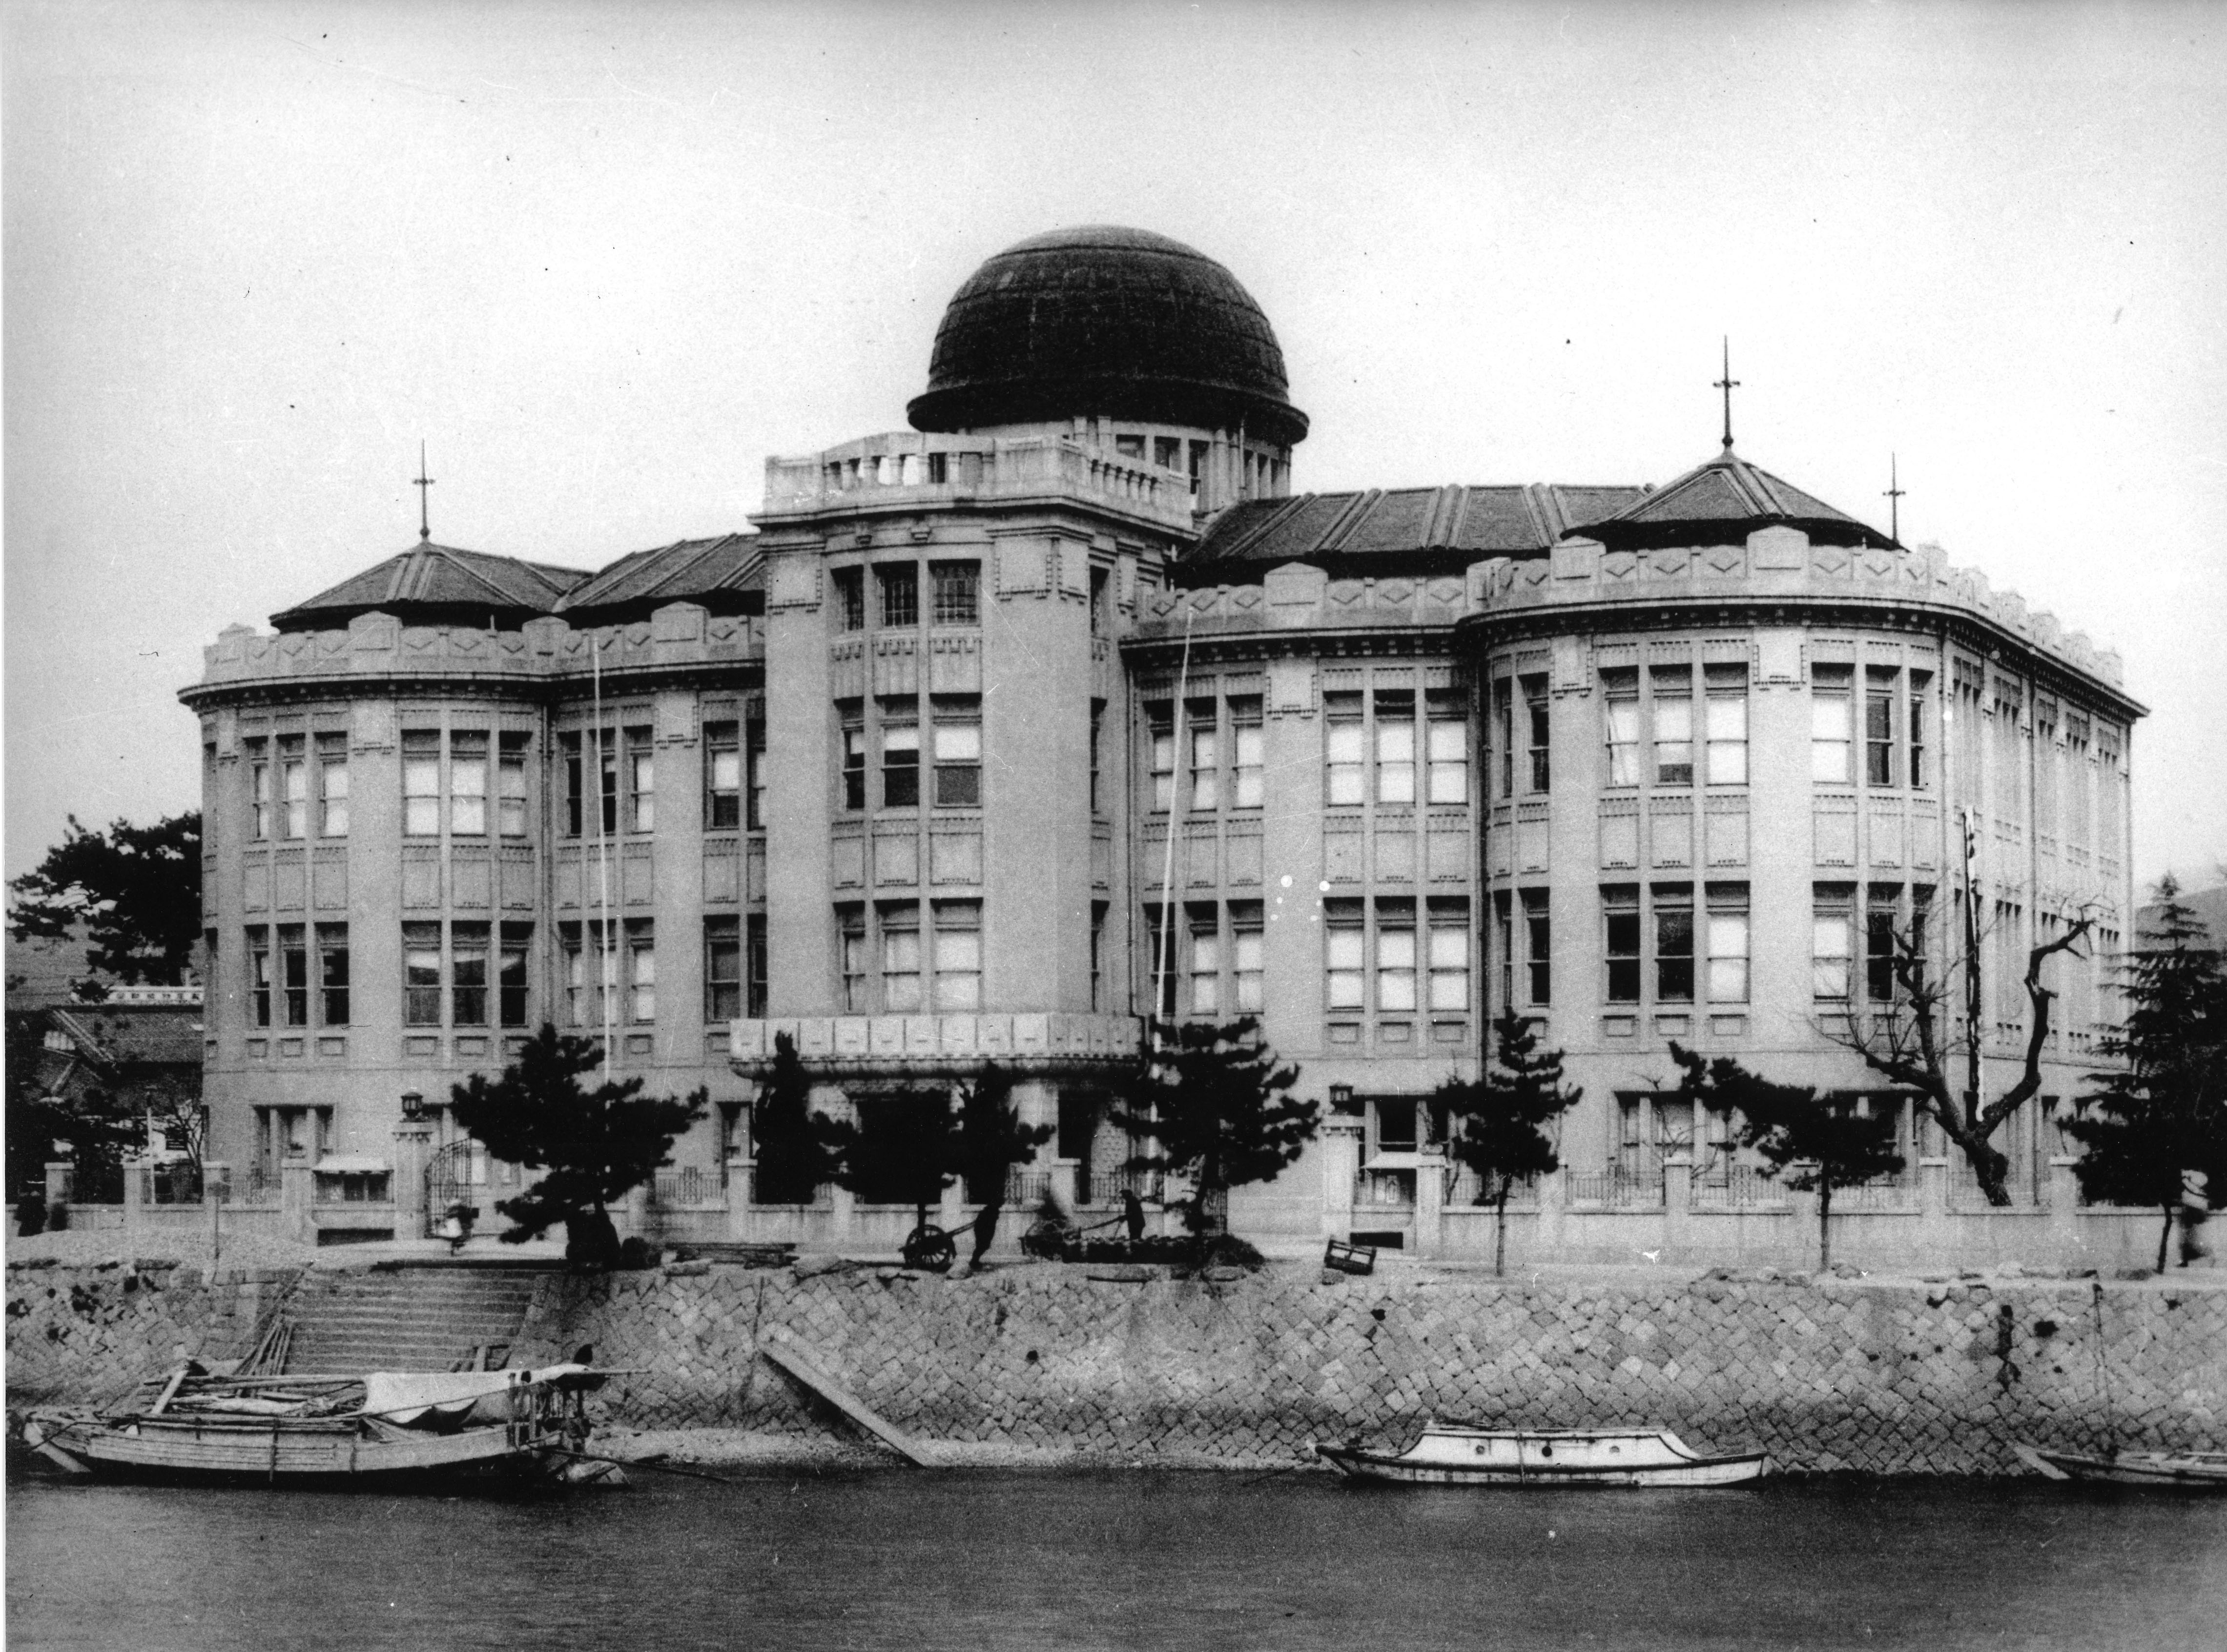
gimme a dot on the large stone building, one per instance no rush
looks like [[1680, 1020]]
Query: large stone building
[[1002, 727]]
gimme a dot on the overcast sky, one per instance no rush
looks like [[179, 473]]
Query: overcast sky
[[604, 260]]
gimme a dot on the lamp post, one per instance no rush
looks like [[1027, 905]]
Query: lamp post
[[1341, 1098], [413, 1105]]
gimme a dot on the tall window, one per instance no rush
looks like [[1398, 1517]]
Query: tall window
[[1205, 757], [1097, 756], [1917, 708], [723, 776], [900, 591], [1674, 943], [421, 782], [1726, 710], [332, 786], [1446, 749], [258, 787], [756, 971], [1205, 962], [511, 785], [1538, 949], [421, 974], [1879, 697], [850, 586], [1620, 910], [723, 969], [641, 969], [1831, 943], [293, 787], [850, 957], [642, 781], [294, 975], [1395, 955], [958, 753], [1673, 696], [1395, 747], [517, 940], [1346, 953], [1728, 943], [753, 770], [854, 759], [1831, 719], [1449, 955], [468, 974], [957, 954], [1344, 749], [900, 758], [1504, 948], [1159, 717], [259, 975], [1535, 717], [1098, 955], [468, 783], [900, 957], [955, 593], [1099, 626], [1248, 978], [1247, 753], [332, 974], [1880, 914], [596, 773], [1503, 733], [1620, 710]]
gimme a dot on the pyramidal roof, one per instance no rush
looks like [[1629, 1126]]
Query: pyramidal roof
[[1726, 499], [430, 583], [725, 574]]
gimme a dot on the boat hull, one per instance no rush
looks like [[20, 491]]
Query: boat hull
[[1473, 1456], [2158, 1471], [200, 1454]]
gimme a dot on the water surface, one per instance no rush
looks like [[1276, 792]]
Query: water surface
[[1146, 1560]]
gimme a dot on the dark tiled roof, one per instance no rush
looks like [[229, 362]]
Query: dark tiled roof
[[1102, 319], [1726, 499], [725, 574], [436, 583], [134, 1035], [1406, 532]]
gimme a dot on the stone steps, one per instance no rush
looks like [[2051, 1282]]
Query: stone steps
[[414, 1319]]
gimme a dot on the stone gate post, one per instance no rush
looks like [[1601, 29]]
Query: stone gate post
[[1430, 1203], [1341, 1169], [1677, 1206], [413, 1150]]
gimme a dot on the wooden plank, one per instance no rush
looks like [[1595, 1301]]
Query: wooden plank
[[177, 1379], [796, 1365]]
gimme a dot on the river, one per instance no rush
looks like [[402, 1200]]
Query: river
[[1286, 1561]]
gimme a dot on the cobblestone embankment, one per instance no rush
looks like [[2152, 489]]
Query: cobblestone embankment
[[1048, 1364]]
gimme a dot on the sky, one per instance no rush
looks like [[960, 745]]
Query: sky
[[604, 260]]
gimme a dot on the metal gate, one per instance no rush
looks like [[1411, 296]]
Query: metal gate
[[456, 1175]]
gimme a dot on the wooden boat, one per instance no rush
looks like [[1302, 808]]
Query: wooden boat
[[385, 1429], [1462, 1454], [2166, 1470]]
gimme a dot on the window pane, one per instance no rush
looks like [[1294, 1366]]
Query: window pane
[[1673, 741], [1624, 742]]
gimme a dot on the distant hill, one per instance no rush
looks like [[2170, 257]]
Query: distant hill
[[2209, 906]]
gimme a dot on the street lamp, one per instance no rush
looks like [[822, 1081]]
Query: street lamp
[[413, 1105], [1341, 1098]]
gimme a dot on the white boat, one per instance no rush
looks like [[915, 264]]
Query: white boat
[[2167, 1470], [1461, 1454]]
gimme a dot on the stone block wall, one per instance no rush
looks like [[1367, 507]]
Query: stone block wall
[[1885, 1378], [88, 1335]]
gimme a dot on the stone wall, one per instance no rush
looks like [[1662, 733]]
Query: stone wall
[[89, 1334], [1888, 1378], [1893, 1378]]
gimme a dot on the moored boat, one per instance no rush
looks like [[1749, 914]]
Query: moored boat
[[388, 1429], [2164, 1471], [1462, 1454]]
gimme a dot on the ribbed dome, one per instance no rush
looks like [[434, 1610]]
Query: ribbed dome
[[1118, 323]]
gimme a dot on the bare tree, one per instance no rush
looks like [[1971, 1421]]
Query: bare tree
[[1919, 1041]]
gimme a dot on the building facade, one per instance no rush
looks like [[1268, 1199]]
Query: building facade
[[1002, 730]]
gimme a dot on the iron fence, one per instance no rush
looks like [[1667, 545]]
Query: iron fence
[[1726, 1186], [177, 1184], [1106, 1187], [1880, 1193], [690, 1185], [1615, 1188], [1027, 1187]]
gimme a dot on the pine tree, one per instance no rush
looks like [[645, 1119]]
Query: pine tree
[[2163, 1110], [598, 1145], [1217, 1109], [903, 1150], [788, 1141], [1496, 1125], [137, 891], [1813, 1143], [991, 1140]]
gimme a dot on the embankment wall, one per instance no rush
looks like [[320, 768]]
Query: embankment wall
[[1888, 1377]]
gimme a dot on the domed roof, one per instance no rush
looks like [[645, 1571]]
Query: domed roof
[[1118, 324]]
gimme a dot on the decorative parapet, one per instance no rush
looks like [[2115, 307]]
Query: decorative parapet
[[379, 648], [865, 1044], [909, 469], [1775, 565]]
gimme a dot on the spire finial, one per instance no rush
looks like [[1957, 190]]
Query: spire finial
[[1728, 384], [421, 483], [1893, 497]]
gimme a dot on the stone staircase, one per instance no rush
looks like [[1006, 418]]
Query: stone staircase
[[428, 1318]]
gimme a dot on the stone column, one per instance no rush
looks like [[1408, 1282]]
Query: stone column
[[633, 1219], [1934, 1245], [842, 1215], [216, 1182], [1677, 1206], [1553, 1199], [2064, 1203], [1430, 1203], [297, 1189], [1067, 1185], [741, 1174], [61, 1184], [135, 1196], [413, 1150], [1340, 1148]]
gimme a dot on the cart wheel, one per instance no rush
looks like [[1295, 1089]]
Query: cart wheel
[[929, 1247]]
